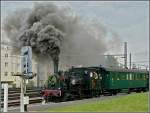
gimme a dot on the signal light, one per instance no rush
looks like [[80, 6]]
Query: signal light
[[26, 62]]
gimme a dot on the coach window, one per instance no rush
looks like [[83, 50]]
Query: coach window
[[115, 76], [136, 77], [141, 78], [118, 76], [123, 76], [144, 77], [133, 76], [130, 76], [127, 76], [112, 77]]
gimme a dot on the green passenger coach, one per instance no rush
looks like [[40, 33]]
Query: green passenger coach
[[117, 80]]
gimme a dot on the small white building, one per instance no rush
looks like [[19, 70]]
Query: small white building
[[11, 64]]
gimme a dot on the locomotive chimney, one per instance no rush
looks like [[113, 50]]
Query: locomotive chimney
[[55, 63]]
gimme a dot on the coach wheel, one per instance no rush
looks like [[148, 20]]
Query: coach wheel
[[114, 92], [128, 91], [144, 89]]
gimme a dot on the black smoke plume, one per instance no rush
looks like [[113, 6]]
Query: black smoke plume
[[57, 33]]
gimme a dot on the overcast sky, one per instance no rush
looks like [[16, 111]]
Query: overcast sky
[[130, 20]]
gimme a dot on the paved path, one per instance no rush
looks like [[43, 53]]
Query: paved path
[[40, 107]]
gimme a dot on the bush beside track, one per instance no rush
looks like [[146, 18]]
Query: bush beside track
[[129, 103]]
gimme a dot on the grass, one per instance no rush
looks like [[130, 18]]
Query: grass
[[129, 103]]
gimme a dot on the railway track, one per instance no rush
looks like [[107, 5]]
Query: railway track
[[14, 96]]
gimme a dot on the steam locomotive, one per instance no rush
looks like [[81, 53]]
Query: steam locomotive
[[88, 82]]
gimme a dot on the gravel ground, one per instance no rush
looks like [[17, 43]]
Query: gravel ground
[[40, 106]]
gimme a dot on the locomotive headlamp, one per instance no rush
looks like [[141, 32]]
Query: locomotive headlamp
[[91, 74], [73, 82]]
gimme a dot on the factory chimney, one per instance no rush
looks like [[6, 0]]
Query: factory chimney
[[130, 60], [125, 54]]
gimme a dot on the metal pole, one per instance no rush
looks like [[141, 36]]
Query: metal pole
[[22, 107], [125, 54], [130, 60], [22, 96], [38, 75], [0, 94], [25, 105], [5, 97]]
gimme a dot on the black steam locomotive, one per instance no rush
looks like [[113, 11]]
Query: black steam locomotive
[[87, 82]]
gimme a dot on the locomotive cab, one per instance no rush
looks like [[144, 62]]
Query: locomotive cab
[[85, 81]]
